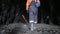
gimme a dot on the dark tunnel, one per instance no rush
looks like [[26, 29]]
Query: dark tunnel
[[15, 20], [12, 10]]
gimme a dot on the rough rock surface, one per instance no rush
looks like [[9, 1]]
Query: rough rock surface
[[20, 28]]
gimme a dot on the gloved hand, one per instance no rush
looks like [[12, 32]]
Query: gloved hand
[[27, 11], [38, 4]]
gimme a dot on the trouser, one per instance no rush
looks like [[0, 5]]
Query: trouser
[[33, 14]]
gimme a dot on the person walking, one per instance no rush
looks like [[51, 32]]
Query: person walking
[[32, 9]]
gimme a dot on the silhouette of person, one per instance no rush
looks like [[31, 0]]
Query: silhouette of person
[[32, 9]]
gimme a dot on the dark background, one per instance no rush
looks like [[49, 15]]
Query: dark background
[[11, 11]]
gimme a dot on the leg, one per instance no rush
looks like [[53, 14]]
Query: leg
[[36, 16], [31, 19], [35, 20]]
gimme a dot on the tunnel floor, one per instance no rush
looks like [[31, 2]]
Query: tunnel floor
[[20, 28]]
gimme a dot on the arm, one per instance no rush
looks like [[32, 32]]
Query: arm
[[37, 3], [27, 4]]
